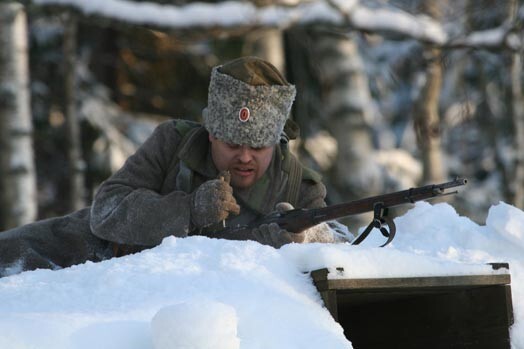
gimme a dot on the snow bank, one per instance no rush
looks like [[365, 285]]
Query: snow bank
[[508, 222], [202, 293], [112, 304]]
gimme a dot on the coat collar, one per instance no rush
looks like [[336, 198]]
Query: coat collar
[[196, 153]]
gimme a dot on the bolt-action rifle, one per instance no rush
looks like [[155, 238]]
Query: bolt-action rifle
[[298, 220]]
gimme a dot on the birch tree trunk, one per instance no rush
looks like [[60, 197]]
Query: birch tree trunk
[[74, 151], [345, 107], [348, 106], [267, 44], [334, 96], [426, 110], [18, 204], [518, 118]]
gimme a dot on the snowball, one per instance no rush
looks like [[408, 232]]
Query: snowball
[[195, 325]]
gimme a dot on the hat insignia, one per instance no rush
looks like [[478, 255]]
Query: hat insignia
[[244, 114]]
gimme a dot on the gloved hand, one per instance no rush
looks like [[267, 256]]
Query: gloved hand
[[272, 234], [213, 201]]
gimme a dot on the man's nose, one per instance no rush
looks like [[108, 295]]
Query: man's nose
[[245, 154]]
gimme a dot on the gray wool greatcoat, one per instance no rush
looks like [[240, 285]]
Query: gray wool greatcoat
[[148, 199]]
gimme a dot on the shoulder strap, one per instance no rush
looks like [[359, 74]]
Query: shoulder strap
[[296, 174], [184, 178], [184, 126], [294, 180]]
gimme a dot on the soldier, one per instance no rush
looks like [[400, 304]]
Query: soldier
[[190, 179]]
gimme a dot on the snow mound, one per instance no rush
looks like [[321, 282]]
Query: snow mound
[[202, 324], [507, 221]]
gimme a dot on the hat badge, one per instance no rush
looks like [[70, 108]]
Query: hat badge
[[244, 114]]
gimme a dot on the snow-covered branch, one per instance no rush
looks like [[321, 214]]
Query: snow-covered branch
[[419, 27], [504, 36], [229, 15], [236, 13]]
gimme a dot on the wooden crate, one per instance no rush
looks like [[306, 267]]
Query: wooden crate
[[473, 311]]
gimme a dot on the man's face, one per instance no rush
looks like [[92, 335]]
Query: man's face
[[245, 164]]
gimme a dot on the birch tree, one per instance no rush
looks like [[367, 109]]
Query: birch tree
[[333, 110], [518, 116], [346, 104], [426, 111], [74, 151], [266, 44], [17, 171]]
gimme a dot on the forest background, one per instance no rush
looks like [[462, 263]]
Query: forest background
[[391, 94]]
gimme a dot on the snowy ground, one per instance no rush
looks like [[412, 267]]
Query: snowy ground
[[204, 293]]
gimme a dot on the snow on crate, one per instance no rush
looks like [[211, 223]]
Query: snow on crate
[[178, 292]]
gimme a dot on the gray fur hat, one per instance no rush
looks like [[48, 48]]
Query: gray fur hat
[[248, 103]]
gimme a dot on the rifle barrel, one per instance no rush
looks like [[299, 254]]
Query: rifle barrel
[[387, 200]]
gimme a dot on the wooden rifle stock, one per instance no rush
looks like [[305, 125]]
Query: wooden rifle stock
[[298, 220]]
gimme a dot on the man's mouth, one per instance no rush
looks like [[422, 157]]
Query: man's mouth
[[244, 171]]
